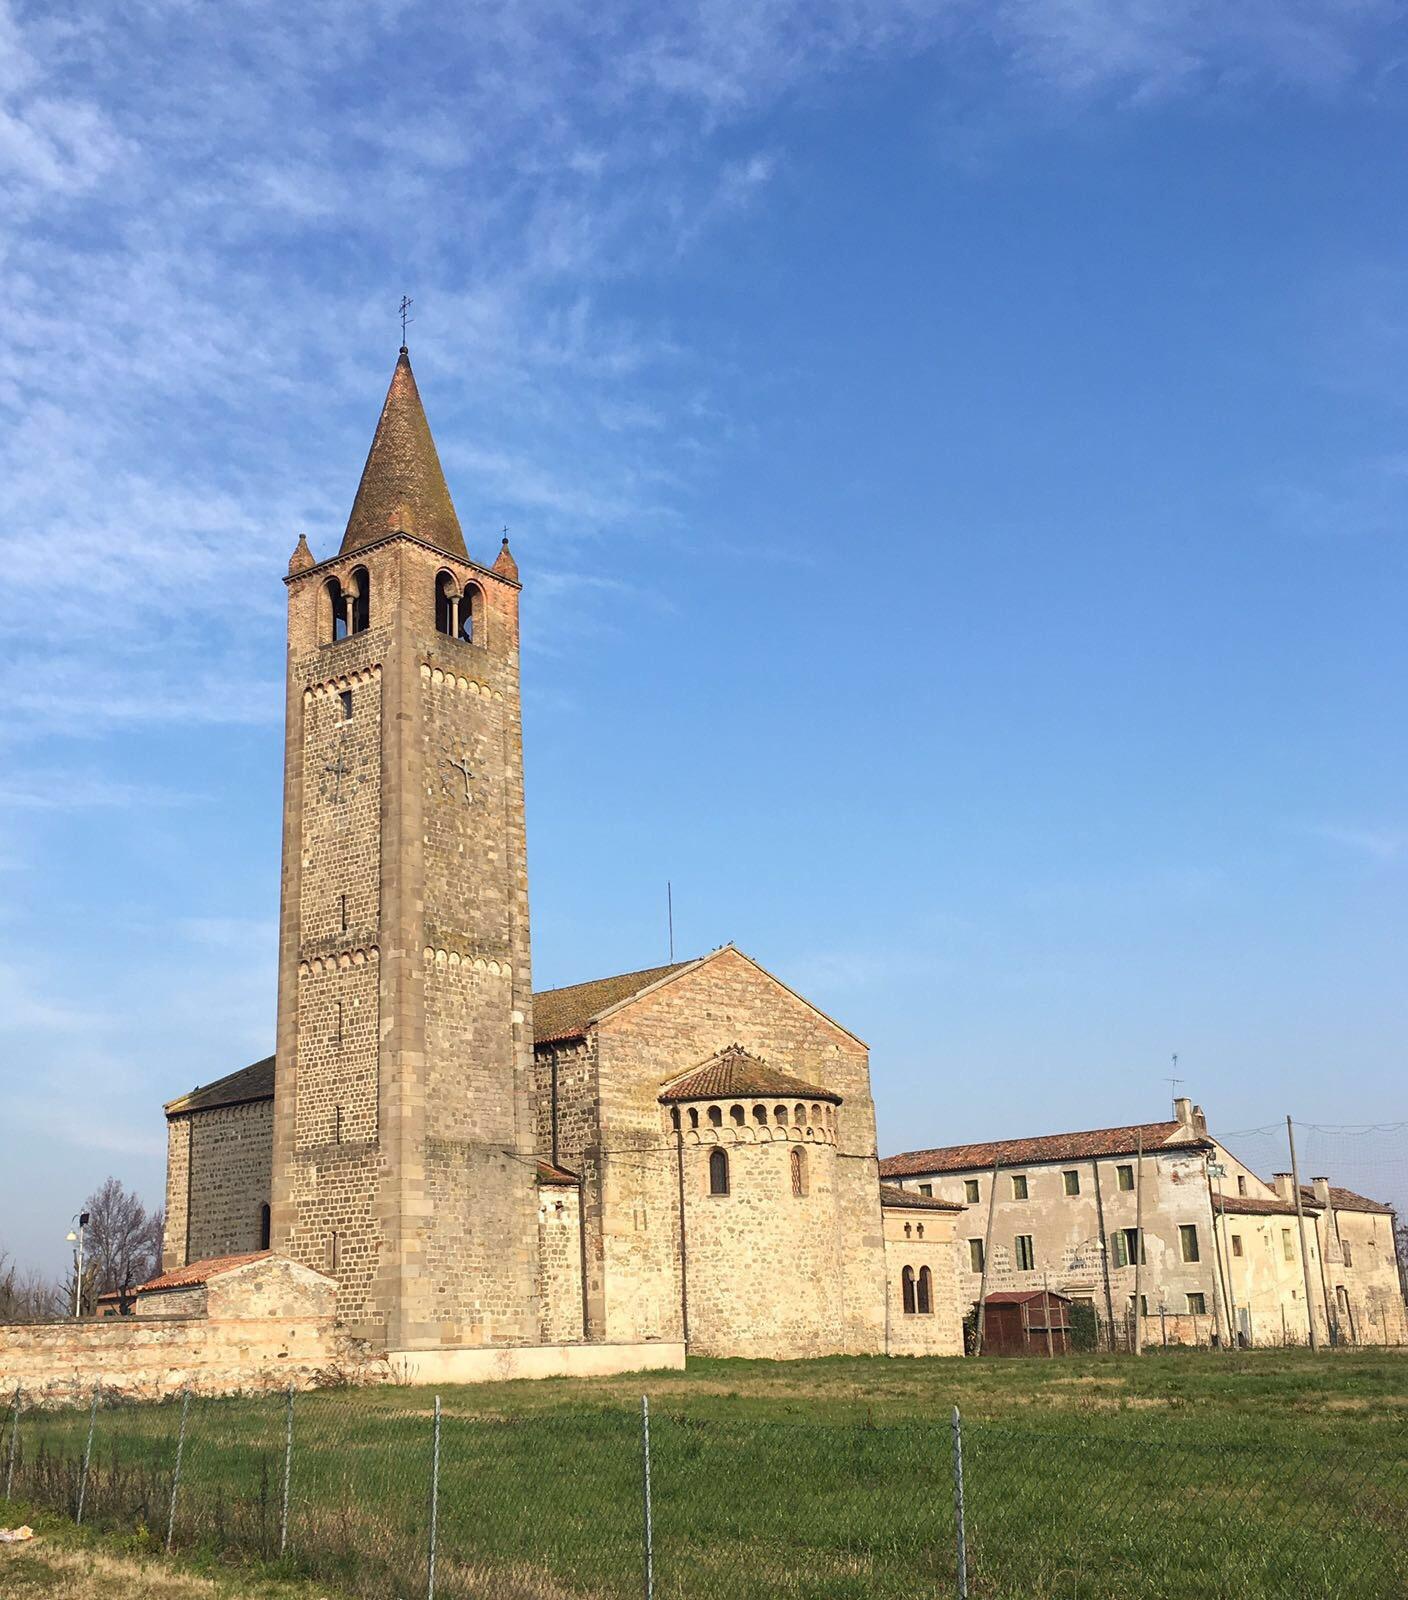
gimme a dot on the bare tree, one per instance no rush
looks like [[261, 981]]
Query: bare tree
[[27, 1296], [122, 1245]]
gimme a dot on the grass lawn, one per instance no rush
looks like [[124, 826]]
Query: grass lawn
[[1184, 1473]]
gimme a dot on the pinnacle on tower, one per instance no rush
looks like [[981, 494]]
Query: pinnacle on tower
[[505, 564], [403, 488]]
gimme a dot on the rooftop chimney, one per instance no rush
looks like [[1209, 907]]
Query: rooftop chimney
[[1200, 1122], [1281, 1183], [1183, 1110], [1322, 1191]]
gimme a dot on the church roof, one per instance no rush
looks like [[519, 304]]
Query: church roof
[[1046, 1147], [567, 1013], [254, 1082], [403, 488], [734, 1072], [907, 1200], [1347, 1200]]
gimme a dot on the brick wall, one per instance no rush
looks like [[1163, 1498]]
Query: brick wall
[[218, 1178]]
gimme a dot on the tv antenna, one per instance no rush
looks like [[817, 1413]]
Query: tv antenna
[[406, 305]]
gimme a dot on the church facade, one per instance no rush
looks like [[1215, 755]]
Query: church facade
[[679, 1156]]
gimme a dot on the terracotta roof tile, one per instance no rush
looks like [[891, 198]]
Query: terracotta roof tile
[[1046, 1147], [1249, 1205], [733, 1072], [560, 1014], [403, 488], [549, 1174], [1348, 1200], [907, 1200], [197, 1272], [1020, 1297], [254, 1082]]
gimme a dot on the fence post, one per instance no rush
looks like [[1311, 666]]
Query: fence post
[[645, 1488], [960, 1525], [434, 1500], [87, 1455], [288, 1471], [176, 1471], [14, 1438]]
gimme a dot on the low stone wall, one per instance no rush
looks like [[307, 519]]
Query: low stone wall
[[534, 1361], [152, 1356]]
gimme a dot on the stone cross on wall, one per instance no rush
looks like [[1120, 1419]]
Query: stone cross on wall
[[339, 770], [462, 765]]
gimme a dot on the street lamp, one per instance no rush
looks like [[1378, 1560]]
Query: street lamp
[[77, 1238]]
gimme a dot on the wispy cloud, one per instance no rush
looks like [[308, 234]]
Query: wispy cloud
[[1378, 844]]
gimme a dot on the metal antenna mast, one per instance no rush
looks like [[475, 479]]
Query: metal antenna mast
[[406, 305]]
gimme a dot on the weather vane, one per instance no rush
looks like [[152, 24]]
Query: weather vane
[[406, 305]]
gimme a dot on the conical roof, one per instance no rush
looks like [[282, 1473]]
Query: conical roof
[[403, 488]]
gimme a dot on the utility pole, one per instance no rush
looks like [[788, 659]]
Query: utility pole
[[987, 1252], [1139, 1247], [82, 1220], [1300, 1225]]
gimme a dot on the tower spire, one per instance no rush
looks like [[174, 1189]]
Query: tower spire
[[403, 488]]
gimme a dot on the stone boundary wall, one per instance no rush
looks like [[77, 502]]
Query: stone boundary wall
[[151, 1356]]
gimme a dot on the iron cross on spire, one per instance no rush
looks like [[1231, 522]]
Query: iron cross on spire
[[406, 305]]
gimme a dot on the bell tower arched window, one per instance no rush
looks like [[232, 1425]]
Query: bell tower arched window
[[718, 1171], [348, 605], [359, 586], [459, 609], [335, 618]]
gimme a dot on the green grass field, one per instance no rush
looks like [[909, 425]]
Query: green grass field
[[1275, 1474]]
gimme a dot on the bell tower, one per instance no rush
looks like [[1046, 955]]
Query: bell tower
[[403, 1137]]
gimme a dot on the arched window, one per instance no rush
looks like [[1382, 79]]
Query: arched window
[[459, 609], [799, 1171], [694, 1116], [907, 1290], [716, 1117], [472, 614], [264, 1227], [925, 1299], [718, 1171], [760, 1116], [799, 1116], [816, 1116], [779, 1116], [335, 615], [359, 591], [738, 1114], [675, 1118]]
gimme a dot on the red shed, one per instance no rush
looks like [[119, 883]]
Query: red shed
[[1027, 1322]]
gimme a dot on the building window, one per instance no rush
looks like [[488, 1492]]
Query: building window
[[925, 1298], [1188, 1242], [1198, 1304], [1070, 1182], [970, 1191], [1241, 1184], [975, 1254], [799, 1171], [1287, 1248], [907, 1290], [739, 1115], [459, 611], [1124, 1177], [1236, 1244], [716, 1117], [1143, 1304], [718, 1171], [345, 700], [1026, 1253], [264, 1227], [693, 1117], [1019, 1186], [927, 1190], [1123, 1243]]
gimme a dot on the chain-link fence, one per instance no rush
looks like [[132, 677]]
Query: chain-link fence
[[391, 1494]]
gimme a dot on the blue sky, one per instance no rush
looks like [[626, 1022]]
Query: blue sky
[[956, 455]]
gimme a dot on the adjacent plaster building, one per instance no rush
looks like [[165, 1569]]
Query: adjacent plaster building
[[1162, 1215], [682, 1157]]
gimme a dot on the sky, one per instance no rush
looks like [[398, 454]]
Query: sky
[[956, 456]]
